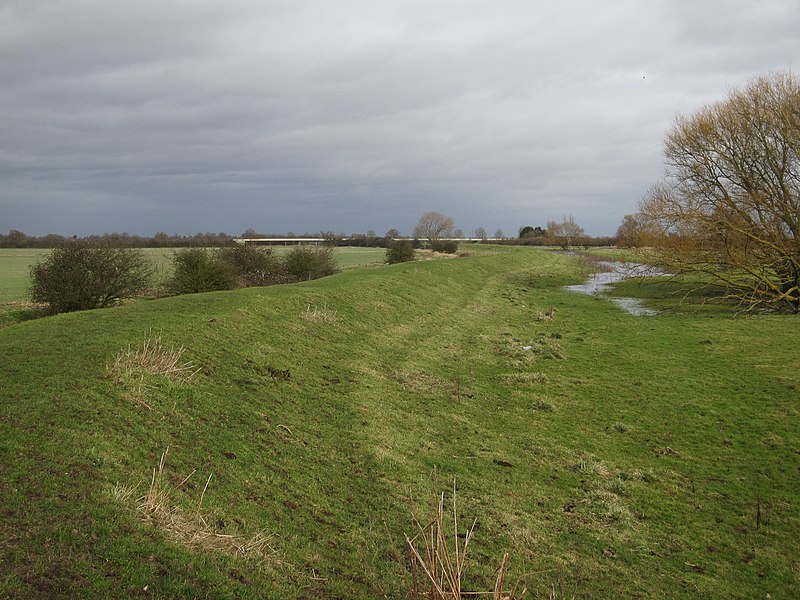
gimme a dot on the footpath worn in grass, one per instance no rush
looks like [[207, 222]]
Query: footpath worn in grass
[[279, 442]]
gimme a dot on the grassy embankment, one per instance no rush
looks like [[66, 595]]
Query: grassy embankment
[[15, 272], [623, 456]]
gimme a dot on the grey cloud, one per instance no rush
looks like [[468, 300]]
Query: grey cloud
[[356, 115]]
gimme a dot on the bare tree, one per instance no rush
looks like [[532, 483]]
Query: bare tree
[[498, 235], [730, 203], [566, 232], [433, 225], [480, 233]]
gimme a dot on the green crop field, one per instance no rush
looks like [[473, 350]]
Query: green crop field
[[280, 442], [14, 277]]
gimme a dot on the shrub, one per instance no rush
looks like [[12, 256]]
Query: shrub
[[446, 246], [253, 265], [81, 275], [310, 262], [200, 270], [399, 251]]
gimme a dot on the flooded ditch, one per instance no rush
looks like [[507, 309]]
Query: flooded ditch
[[601, 284]]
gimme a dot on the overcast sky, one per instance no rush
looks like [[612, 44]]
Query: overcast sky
[[305, 115]]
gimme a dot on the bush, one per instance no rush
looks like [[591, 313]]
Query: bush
[[200, 270], [310, 262], [446, 246], [204, 270], [399, 251], [253, 265], [81, 275]]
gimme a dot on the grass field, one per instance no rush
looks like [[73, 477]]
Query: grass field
[[14, 275], [308, 425]]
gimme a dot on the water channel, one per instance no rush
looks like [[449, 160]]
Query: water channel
[[601, 284]]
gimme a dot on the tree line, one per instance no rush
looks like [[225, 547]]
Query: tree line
[[17, 239], [536, 236]]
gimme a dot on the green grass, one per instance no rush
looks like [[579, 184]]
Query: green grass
[[358, 257], [14, 275], [621, 456]]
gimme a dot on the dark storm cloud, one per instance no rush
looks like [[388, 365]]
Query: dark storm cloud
[[198, 115]]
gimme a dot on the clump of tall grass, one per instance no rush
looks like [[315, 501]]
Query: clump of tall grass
[[153, 357], [133, 367], [548, 348], [606, 493], [546, 315], [542, 405], [527, 378], [438, 566], [319, 315]]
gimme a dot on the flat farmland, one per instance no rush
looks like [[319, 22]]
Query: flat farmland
[[14, 276]]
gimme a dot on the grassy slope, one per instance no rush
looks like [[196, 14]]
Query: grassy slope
[[635, 462]]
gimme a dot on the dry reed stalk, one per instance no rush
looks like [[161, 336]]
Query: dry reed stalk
[[154, 501], [444, 566], [122, 493], [200, 503], [501, 578]]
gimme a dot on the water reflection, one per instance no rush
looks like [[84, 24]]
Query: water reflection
[[600, 284]]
